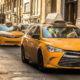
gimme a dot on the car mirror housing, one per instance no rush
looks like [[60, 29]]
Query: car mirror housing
[[36, 36]]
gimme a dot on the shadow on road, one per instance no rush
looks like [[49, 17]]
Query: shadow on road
[[46, 71], [58, 71], [9, 46], [63, 71]]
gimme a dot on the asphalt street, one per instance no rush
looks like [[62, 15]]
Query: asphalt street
[[11, 68]]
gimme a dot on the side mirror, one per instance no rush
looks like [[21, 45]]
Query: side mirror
[[36, 36]]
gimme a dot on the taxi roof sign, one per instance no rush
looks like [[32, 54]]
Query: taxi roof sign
[[52, 17]]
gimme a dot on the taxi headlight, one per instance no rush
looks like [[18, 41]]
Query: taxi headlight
[[53, 49]]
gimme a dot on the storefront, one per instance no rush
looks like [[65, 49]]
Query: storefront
[[71, 10]]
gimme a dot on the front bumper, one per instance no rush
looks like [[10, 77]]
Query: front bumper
[[68, 60], [10, 41]]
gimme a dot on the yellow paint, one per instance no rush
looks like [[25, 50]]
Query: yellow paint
[[11, 41], [50, 59]]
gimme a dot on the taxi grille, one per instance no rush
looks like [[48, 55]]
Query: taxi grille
[[68, 62], [76, 53], [70, 59]]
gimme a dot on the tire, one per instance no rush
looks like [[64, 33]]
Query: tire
[[40, 61], [24, 60]]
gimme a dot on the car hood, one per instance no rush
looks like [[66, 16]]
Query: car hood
[[66, 44], [13, 33]]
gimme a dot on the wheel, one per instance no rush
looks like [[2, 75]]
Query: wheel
[[24, 60], [40, 61]]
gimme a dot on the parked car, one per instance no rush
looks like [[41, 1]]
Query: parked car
[[23, 27], [52, 46], [9, 37], [16, 28], [9, 23]]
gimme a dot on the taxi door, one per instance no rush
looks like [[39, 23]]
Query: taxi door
[[25, 43], [34, 42], [26, 48], [29, 44]]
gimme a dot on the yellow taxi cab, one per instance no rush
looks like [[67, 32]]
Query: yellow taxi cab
[[9, 37], [52, 46], [23, 27]]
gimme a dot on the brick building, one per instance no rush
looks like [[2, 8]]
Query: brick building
[[12, 10], [26, 11], [69, 9], [31, 11]]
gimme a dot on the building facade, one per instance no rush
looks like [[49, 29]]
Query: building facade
[[69, 9], [26, 10], [29, 11], [37, 10], [12, 10], [50, 6]]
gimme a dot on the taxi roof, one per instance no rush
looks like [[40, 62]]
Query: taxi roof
[[67, 25], [56, 20]]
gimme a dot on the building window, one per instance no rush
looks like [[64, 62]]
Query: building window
[[71, 10], [14, 3], [36, 7], [27, 7], [53, 6]]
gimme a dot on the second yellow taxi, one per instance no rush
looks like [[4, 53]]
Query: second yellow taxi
[[9, 37]]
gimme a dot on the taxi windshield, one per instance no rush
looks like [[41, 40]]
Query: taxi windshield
[[61, 32], [5, 28]]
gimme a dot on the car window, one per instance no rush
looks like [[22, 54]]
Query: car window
[[37, 31], [28, 29], [61, 32], [5, 28], [31, 32]]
